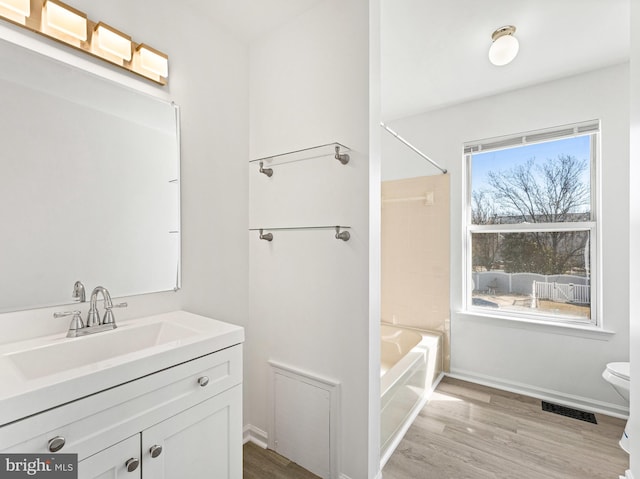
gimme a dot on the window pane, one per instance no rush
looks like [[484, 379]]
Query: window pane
[[535, 272], [546, 182]]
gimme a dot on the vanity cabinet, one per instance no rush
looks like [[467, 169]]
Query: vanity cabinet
[[112, 463], [181, 422], [196, 443]]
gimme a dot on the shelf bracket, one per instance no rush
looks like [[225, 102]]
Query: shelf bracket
[[266, 171], [342, 158], [266, 237], [344, 235]]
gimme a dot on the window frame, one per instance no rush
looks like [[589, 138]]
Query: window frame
[[589, 128]]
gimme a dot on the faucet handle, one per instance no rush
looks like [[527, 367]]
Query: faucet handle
[[76, 322], [109, 318], [66, 313]]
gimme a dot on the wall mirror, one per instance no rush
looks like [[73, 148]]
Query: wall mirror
[[90, 184]]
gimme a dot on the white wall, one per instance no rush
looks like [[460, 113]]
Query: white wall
[[542, 360], [209, 80], [634, 253], [309, 293]]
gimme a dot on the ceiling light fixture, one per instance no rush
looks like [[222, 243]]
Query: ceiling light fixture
[[504, 47]]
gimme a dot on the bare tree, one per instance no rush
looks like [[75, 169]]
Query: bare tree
[[487, 245], [550, 192], [483, 210]]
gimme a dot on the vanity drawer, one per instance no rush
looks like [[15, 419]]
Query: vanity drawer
[[93, 423]]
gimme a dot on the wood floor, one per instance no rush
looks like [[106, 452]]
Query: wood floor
[[265, 464], [467, 431], [475, 432]]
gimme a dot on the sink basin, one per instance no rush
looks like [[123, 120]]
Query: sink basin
[[44, 372], [68, 354]]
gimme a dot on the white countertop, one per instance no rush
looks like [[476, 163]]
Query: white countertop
[[22, 395]]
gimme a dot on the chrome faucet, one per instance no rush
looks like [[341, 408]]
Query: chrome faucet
[[93, 317], [93, 323]]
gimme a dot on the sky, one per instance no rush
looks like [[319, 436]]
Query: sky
[[505, 159]]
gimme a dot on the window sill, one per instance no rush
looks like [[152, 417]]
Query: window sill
[[567, 329]]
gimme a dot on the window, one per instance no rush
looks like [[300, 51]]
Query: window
[[531, 228]]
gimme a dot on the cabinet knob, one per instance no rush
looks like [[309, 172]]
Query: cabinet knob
[[155, 450], [56, 443], [132, 464], [203, 381]]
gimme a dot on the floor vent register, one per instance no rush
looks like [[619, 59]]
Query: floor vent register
[[569, 412]]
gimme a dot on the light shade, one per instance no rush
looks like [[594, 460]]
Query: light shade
[[504, 47], [21, 7], [112, 41], [153, 61], [66, 19]]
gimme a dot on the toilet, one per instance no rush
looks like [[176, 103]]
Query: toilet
[[618, 374]]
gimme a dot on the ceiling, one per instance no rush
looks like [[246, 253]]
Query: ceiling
[[434, 52], [247, 20]]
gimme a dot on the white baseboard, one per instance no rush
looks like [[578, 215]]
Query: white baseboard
[[260, 438], [255, 435], [557, 397], [344, 476], [627, 475]]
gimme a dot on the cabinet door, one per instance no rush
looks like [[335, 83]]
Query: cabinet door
[[202, 442], [112, 463]]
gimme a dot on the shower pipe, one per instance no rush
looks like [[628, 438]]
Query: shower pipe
[[444, 171]]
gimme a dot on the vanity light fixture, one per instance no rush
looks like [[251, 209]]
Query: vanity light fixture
[[152, 61], [112, 41], [58, 21], [504, 47], [65, 19], [15, 9]]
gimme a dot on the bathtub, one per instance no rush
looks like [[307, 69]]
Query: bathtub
[[410, 368]]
